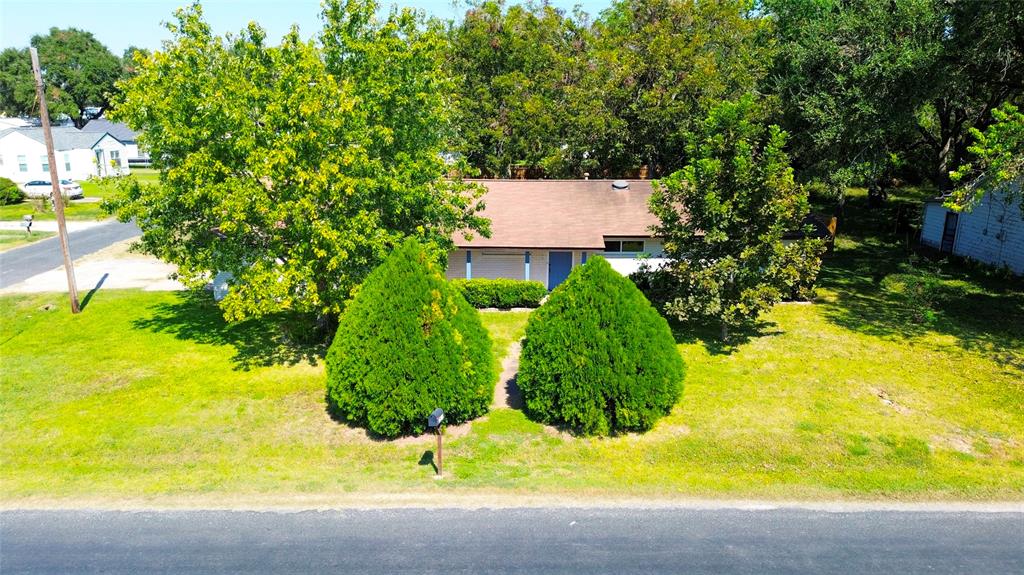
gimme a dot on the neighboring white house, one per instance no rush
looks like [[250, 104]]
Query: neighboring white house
[[993, 232], [79, 154], [122, 132], [541, 229]]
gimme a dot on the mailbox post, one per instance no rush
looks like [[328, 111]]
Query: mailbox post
[[434, 420]]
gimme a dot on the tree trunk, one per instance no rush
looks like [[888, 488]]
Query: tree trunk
[[725, 331]]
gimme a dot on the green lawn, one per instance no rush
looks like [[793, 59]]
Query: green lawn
[[76, 209], [10, 239], [151, 395]]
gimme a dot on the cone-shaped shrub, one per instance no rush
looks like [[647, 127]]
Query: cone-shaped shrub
[[598, 358], [408, 343]]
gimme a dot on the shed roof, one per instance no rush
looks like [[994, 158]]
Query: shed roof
[[567, 214], [64, 137], [119, 130]]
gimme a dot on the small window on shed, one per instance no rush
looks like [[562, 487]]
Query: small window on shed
[[633, 245], [612, 246]]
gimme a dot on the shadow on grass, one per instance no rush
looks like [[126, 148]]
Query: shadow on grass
[[982, 310], [428, 459], [338, 417], [710, 336], [281, 339], [88, 297]]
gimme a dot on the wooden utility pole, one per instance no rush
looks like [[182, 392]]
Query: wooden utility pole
[[58, 199]]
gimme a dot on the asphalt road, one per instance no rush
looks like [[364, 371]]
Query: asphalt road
[[20, 264], [511, 541]]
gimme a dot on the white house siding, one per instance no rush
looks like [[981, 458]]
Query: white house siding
[[934, 221], [993, 232], [77, 164], [628, 263], [103, 152], [499, 263], [508, 263]]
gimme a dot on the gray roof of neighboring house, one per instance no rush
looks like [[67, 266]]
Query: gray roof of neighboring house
[[117, 129], [64, 137]]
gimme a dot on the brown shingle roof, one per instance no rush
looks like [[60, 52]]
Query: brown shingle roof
[[568, 214]]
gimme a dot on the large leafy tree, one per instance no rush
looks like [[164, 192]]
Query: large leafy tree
[[998, 163], [723, 217], [519, 71], [79, 73], [298, 167], [663, 64], [868, 85]]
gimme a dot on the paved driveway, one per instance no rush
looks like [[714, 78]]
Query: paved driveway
[[19, 264]]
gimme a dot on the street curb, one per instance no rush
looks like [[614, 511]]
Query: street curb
[[497, 502]]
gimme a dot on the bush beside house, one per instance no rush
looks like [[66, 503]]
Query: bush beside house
[[10, 193], [501, 293], [598, 357], [408, 343]]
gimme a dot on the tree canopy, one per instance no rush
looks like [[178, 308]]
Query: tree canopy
[[870, 87], [518, 72], [723, 217], [298, 167], [78, 71], [999, 163]]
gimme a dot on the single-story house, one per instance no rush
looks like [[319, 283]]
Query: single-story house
[[79, 154], [541, 229], [122, 132], [992, 232]]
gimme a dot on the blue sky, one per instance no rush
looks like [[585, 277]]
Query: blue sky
[[123, 23]]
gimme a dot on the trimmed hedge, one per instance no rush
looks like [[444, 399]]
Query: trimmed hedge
[[598, 358], [10, 193], [408, 343], [501, 293]]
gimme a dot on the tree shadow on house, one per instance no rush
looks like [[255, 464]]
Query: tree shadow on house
[[279, 339]]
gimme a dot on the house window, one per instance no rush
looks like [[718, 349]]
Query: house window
[[67, 162], [22, 164], [620, 246], [115, 158], [45, 161]]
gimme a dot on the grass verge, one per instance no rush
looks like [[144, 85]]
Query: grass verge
[[10, 239]]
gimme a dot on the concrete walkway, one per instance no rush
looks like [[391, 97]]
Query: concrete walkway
[[506, 393]]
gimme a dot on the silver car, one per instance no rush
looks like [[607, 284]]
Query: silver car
[[42, 189]]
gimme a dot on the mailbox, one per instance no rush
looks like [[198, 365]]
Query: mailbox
[[435, 418]]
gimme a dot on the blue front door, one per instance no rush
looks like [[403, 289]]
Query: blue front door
[[559, 266]]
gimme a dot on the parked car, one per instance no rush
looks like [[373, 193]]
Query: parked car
[[42, 189]]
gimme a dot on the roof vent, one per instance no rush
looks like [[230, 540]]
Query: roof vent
[[620, 185]]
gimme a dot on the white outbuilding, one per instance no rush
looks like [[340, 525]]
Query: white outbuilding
[[992, 232], [79, 154]]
